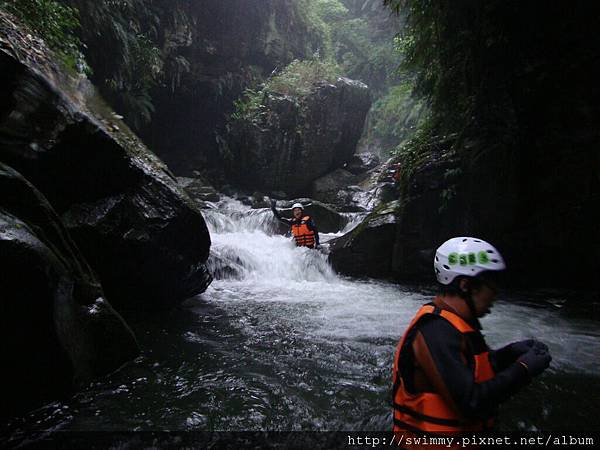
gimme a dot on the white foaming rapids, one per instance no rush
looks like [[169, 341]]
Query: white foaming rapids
[[245, 246], [254, 266]]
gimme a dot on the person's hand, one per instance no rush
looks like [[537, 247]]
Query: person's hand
[[540, 346], [509, 353], [536, 360], [519, 348], [273, 203]]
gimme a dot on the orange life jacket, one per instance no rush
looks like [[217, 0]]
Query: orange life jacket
[[304, 236], [428, 412]]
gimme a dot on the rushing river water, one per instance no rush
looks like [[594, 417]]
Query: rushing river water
[[280, 342]]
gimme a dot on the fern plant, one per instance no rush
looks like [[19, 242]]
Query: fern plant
[[56, 23]]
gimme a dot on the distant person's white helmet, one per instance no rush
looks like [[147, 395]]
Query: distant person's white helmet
[[298, 205], [465, 256]]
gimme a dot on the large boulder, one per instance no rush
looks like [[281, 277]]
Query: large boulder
[[297, 140], [368, 249], [339, 189], [141, 233], [58, 329]]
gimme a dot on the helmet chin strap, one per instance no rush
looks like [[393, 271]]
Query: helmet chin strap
[[467, 295]]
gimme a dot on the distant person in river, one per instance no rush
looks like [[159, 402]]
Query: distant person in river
[[446, 380], [302, 226]]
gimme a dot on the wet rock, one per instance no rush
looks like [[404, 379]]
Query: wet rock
[[259, 201], [298, 140], [58, 328], [199, 190], [367, 251], [386, 192], [327, 219], [362, 163], [424, 221], [338, 188], [228, 190], [280, 195], [143, 236]]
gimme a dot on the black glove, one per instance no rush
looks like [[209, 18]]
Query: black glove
[[505, 356], [517, 349], [540, 346], [536, 360], [273, 203]]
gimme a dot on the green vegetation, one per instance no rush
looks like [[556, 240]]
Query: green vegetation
[[329, 10], [297, 80], [463, 58], [439, 65], [387, 107], [436, 44], [364, 45], [318, 16], [412, 153], [132, 63], [249, 106], [299, 77], [138, 74], [358, 42], [358, 36], [56, 24], [395, 117]]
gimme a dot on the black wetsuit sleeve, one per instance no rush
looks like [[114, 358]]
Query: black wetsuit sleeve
[[279, 217], [312, 227], [473, 399]]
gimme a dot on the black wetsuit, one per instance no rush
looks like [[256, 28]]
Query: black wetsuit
[[289, 222]]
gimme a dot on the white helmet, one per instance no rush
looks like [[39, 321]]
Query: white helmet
[[465, 256], [297, 205]]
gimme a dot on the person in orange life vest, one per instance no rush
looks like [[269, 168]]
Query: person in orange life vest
[[446, 380], [302, 226]]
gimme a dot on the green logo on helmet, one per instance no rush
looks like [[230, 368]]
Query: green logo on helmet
[[468, 259], [483, 257], [453, 259]]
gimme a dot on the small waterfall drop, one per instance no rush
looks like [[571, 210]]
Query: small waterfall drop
[[247, 246]]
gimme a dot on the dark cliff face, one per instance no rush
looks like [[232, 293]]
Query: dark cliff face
[[295, 140], [230, 44], [522, 169], [528, 158], [140, 232], [211, 51]]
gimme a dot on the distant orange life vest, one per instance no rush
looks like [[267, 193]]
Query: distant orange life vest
[[428, 412], [304, 236]]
